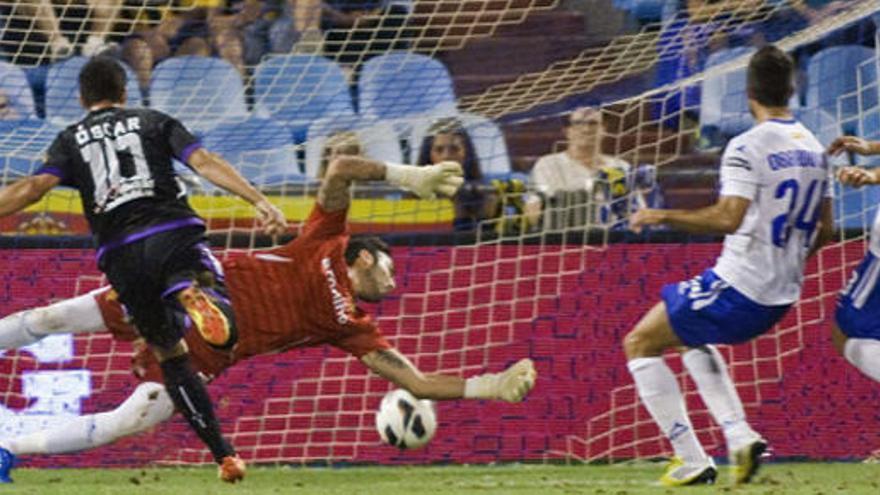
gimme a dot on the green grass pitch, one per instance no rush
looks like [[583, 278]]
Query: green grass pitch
[[775, 479]]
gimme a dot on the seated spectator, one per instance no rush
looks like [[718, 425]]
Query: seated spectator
[[210, 27], [686, 40], [7, 109], [358, 29], [339, 144], [102, 14], [580, 168], [447, 140], [284, 26]]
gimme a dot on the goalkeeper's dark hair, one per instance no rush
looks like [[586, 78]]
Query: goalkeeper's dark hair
[[102, 79], [371, 243], [771, 77]]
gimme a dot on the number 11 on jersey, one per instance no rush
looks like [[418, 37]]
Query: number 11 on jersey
[[119, 170]]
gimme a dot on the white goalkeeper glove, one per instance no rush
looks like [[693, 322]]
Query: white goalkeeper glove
[[511, 385], [426, 182]]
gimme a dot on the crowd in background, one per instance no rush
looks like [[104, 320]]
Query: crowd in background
[[243, 32]]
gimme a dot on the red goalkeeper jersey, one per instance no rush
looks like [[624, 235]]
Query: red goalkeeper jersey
[[296, 295]]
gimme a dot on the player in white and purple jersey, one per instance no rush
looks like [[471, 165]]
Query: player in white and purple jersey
[[774, 199]]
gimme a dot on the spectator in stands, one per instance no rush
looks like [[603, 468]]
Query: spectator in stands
[[447, 140], [339, 144], [210, 27], [358, 29], [579, 167], [102, 13], [284, 26], [7, 109]]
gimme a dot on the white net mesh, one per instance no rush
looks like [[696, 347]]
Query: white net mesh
[[470, 300]]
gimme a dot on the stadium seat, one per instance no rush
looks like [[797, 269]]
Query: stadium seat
[[259, 148], [201, 92], [855, 208], [22, 143], [724, 104], [647, 10], [403, 84], [378, 138], [486, 135], [834, 74], [14, 84], [300, 89], [62, 91], [821, 123]]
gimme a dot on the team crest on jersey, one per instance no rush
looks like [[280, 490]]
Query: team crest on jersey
[[699, 293]]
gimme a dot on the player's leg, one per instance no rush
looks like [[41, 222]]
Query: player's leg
[[709, 371], [706, 310], [196, 283], [862, 353], [856, 330], [156, 313], [659, 391], [193, 292], [79, 314], [146, 407]]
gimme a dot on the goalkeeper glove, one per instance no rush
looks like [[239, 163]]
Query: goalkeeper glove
[[511, 385], [426, 182]]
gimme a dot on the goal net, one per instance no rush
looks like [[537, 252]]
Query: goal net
[[482, 282]]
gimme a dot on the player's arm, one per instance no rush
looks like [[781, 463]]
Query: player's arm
[[858, 177], [739, 181], [220, 173], [855, 145], [724, 217], [511, 385], [426, 182], [25, 192]]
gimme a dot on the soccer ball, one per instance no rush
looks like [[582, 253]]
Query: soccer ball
[[404, 421]]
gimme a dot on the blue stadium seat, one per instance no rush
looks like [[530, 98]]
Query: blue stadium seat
[[378, 139], [261, 149], [22, 143], [825, 127], [835, 73], [647, 10], [855, 208], [13, 83], [724, 104], [62, 91], [403, 84], [486, 135], [300, 89], [201, 92]]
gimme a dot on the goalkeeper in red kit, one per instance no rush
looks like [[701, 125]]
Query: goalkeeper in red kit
[[301, 294]]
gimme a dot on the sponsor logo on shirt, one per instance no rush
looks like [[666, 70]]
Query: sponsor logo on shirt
[[340, 303]]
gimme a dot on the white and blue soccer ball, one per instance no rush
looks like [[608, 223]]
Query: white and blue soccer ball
[[404, 421]]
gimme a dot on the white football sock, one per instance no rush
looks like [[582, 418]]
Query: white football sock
[[709, 371], [80, 314], [662, 397], [864, 354], [148, 406]]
